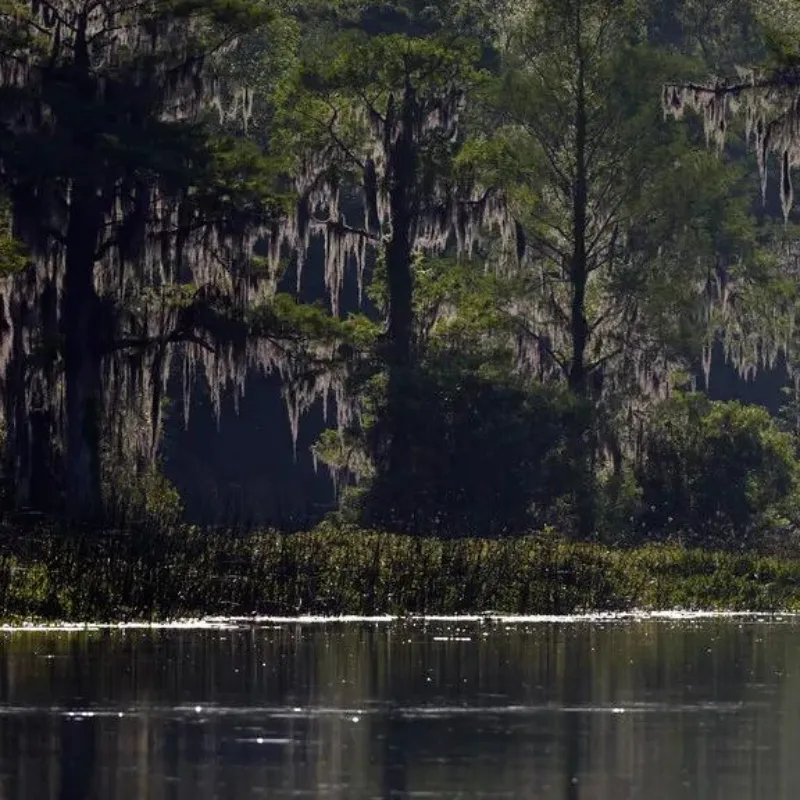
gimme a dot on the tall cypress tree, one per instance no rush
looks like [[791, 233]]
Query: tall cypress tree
[[120, 196]]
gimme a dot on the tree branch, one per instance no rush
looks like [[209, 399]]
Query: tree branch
[[146, 342], [341, 226], [600, 361], [338, 140], [541, 340]]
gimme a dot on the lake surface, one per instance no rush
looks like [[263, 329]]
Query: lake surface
[[597, 710]]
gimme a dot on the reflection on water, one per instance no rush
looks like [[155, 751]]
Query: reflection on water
[[596, 711]]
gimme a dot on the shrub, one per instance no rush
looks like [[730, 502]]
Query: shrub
[[488, 458], [717, 473]]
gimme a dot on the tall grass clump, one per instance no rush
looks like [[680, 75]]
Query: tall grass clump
[[149, 574]]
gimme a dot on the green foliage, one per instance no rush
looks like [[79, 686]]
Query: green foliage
[[780, 20], [120, 113], [723, 33], [344, 454], [13, 257], [680, 212], [312, 323], [619, 503], [162, 501], [457, 312], [357, 62], [351, 76], [236, 185], [141, 496], [717, 473]]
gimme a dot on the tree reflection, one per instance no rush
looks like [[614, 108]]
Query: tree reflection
[[646, 709]]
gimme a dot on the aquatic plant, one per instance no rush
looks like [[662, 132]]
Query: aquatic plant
[[154, 574]]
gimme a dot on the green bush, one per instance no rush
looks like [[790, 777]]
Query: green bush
[[488, 458], [716, 473]]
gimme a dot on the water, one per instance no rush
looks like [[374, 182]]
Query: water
[[596, 710]]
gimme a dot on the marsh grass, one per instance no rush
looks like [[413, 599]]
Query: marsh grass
[[147, 574]]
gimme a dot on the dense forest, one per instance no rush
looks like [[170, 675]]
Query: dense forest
[[495, 255]]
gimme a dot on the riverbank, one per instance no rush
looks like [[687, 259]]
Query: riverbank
[[143, 574]]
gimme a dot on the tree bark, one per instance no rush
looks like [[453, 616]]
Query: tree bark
[[579, 277], [79, 313], [403, 206], [83, 381]]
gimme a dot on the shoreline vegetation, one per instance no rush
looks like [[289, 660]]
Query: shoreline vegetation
[[337, 569]]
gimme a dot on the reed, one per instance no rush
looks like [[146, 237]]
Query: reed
[[150, 574]]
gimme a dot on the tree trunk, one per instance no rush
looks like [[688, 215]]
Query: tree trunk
[[79, 313], [400, 352], [83, 381], [579, 326]]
